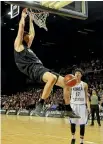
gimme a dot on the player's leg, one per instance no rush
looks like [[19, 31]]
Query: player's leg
[[92, 114], [60, 82], [97, 115], [66, 90], [73, 130], [82, 132], [51, 79]]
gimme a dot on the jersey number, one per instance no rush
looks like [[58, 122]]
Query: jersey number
[[77, 94]]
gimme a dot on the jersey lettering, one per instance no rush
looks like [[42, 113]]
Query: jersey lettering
[[78, 99], [78, 94]]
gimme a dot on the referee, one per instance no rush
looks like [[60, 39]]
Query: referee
[[94, 106]]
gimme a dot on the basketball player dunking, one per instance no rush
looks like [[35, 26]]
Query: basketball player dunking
[[29, 64], [79, 101]]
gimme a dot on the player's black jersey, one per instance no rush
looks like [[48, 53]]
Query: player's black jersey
[[26, 60]]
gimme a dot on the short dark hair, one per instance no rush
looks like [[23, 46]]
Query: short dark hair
[[79, 70]]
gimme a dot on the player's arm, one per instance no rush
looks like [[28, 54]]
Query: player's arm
[[31, 30], [19, 38], [86, 96]]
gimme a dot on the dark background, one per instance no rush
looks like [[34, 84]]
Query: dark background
[[61, 46]]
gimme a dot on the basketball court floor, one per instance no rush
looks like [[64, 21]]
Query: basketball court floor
[[36, 130]]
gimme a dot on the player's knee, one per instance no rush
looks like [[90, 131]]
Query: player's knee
[[52, 79], [82, 130], [49, 77]]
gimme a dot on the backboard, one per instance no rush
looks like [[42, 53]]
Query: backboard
[[74, 9]]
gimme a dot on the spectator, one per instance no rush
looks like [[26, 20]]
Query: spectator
[[100, 93]]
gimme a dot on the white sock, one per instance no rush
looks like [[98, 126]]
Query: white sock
[[81, 140], [73, 136]]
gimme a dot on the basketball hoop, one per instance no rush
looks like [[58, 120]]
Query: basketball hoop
[[39, 18]]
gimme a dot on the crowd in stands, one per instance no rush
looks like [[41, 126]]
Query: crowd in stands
[[93, 66], [28, 99]]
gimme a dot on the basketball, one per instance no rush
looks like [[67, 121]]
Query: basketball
[[70, 80]]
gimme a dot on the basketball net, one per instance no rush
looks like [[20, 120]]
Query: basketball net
[[39, 18]]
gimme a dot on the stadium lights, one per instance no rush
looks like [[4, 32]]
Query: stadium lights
[[9, 13], [89, 30], [12, 29], [82, 32]]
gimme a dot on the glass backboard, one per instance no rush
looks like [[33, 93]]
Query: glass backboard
[[74, 9]]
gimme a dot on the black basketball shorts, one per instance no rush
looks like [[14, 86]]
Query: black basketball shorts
[[38, 71]]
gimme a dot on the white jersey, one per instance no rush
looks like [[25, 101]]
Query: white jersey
[[78, 94]]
